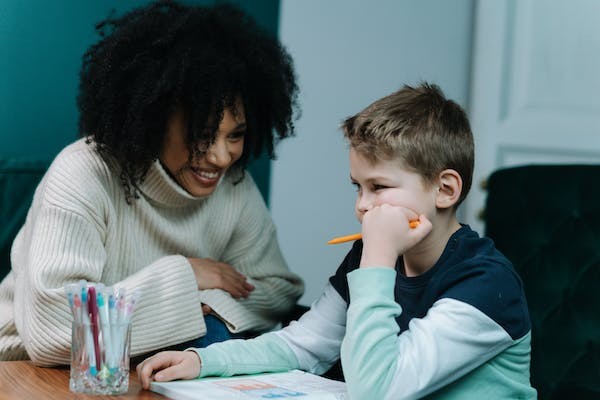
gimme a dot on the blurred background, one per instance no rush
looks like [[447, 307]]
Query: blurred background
[[526, 71]]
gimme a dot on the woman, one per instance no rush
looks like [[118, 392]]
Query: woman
[[174, 100]]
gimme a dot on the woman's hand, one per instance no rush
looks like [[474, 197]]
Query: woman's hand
[[386, 234], [211, 274], [168, 366]]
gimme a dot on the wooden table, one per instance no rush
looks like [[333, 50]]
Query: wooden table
[[23, 381]]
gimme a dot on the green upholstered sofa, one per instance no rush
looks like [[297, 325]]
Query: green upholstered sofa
[[546, 220], [18, 180]]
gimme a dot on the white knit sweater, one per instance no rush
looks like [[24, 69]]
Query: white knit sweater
[[79, 226]]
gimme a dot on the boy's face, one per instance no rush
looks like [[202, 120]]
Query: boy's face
[[386, 182]]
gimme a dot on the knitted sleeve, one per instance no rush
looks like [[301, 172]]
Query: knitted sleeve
[[63, 242]]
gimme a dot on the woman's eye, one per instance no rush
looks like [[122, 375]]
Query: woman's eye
[[236, 136]]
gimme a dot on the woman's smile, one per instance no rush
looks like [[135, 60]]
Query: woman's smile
[[206, 177]]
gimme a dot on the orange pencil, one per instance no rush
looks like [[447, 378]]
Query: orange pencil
[[347, 238], [356, 236]]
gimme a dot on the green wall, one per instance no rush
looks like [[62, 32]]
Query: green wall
[[41, 45]]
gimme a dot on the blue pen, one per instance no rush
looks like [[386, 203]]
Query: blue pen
[[105, 328], [112, 317], [83, 297], [121, 306], [71, 290], [127, 313]]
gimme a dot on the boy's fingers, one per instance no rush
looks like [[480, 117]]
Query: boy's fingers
[[424, 224], [144, 371], [186, 366], [177, 371], [154, 363], [168, 374], [143, 375], [411, 214]]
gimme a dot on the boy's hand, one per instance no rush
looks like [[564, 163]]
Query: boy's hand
[[386, 234], [168, 366]]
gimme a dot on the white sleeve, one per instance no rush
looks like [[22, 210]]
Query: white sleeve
[[312, 344], [317, 336]]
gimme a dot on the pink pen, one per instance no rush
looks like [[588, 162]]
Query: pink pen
[[77, 308], [85, 321]]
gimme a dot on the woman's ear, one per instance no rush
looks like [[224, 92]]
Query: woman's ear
[[449, 188]]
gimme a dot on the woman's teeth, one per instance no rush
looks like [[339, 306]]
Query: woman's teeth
[[208, 175]]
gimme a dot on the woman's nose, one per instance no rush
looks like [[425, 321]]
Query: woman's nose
[[218, 154]]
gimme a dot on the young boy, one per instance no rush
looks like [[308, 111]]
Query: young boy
[[435, 310]]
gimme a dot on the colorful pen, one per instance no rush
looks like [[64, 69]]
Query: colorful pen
[[356, 236], [93, 309], [85, 320], [105, 328], [125, 314], [77, 308], [71, 291], [112, 320], [120, 305]]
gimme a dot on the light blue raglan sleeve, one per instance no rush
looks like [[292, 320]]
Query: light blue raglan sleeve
[[266, 353], [451, 340], [370, 344]]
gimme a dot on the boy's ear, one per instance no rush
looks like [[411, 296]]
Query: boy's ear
[[449, 188]]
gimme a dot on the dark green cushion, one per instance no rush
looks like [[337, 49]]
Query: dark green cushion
[[18, 180], [546, 220]]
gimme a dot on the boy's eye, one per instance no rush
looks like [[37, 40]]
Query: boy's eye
[[378, 187], [356, 186]]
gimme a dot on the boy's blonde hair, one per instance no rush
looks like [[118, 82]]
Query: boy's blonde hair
[[419, 127]]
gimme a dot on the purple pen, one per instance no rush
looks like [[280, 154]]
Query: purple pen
[[93, 311], [85, 322]]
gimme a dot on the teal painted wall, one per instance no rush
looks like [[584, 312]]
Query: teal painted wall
[[41, 45]]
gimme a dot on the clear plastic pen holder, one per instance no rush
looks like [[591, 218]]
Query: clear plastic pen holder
[[100, 366]]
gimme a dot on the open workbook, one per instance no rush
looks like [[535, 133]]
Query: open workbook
[[278, 385]]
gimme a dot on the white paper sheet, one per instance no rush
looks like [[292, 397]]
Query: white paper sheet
[[281, 385]]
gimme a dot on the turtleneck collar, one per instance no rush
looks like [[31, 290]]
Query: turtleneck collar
[[160, 188]]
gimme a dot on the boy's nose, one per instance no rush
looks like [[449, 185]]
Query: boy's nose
[[364, 203]]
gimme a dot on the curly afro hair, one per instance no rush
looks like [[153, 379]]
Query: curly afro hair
[[168, 56]]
